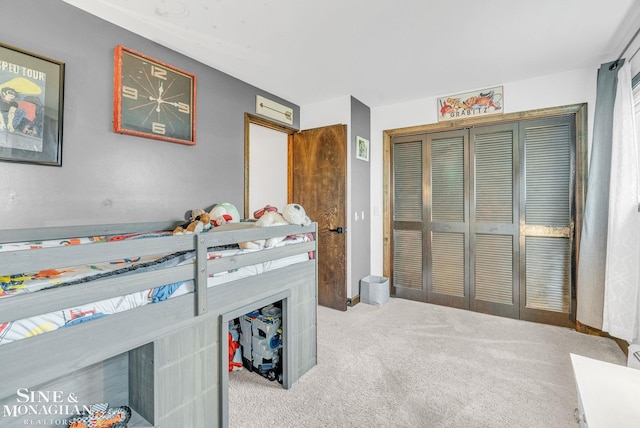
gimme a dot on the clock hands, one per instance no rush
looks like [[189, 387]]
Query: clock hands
[[159, 100]]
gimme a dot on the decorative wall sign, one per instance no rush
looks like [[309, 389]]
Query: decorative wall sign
[[274, 110], [153, 99], [31, 99], [362, 149], [471, 104]]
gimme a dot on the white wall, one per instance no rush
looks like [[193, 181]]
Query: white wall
[[331, 112], [561, 89]]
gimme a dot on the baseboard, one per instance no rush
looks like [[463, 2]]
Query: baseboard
[[583, 328], [352, 301]]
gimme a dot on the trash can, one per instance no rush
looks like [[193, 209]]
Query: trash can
[[374, 290]]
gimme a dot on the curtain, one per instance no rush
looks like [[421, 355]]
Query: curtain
[[622, 271], [593, 245]]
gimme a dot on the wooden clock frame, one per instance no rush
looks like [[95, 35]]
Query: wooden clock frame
[[153, 99]]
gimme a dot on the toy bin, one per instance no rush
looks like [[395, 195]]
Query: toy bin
[[266, 362], [265, 346], [374, 290], [265, 326]]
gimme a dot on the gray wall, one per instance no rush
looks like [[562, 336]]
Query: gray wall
[[112, 178], [360, 197]]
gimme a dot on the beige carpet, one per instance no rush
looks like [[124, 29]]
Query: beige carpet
[[411, 364]]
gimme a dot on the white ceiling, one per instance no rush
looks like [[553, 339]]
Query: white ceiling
[[380, 51]]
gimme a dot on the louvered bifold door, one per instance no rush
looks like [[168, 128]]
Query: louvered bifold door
[[546, 218], [407, 277], [494, 220], [447, 226]]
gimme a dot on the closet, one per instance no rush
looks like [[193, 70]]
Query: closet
[[482, 216]]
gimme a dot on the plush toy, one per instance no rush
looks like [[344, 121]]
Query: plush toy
[[224, 213], [269, 218], [200, 221], [291, 214], [272, 218], [295, 214], [101, 415], [259, 213]]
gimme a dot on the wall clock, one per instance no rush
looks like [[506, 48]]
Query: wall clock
[[153, 99]]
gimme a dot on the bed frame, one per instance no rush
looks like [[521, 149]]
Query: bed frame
[[167, 360]]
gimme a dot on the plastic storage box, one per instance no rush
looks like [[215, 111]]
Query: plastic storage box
[[374, 290]]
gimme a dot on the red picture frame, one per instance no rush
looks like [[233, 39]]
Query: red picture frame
[[153, 99]]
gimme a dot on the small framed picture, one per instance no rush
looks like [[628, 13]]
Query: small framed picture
[[362, 149], [31, 91]]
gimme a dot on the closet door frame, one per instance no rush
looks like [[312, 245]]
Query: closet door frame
[[579, 112]]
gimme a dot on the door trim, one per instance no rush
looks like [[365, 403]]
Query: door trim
[[580, 112], [260, 121]]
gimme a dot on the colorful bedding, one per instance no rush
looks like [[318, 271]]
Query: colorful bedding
[[34, 281], [14, 285]]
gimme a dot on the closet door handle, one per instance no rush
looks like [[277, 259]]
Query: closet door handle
[[338, 229]]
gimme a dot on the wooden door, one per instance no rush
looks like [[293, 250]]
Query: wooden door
[[494, 219], [408, 217], [431, 218], [319, 183], [547, 220], [448, 218]]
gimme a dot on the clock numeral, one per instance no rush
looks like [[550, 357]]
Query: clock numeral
[[158, 72], [184, 108], [158, 128], [129, 92]]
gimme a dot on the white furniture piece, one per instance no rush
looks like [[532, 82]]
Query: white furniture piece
[[608, 394], [633, 360]]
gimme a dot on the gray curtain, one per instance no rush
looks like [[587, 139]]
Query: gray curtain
[[593, 245]]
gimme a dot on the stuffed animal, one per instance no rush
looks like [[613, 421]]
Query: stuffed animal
[[259, 213], [224, 213], [269, 218], [295, 214], [291, 214], [200, 221]]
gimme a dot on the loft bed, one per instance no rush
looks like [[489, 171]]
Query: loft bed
[[152, 302]]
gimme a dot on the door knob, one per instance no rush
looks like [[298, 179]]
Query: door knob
[[338, 229]]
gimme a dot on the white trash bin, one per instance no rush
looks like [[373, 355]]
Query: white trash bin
[[374, 290]]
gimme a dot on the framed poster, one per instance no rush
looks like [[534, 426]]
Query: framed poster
[[362, 149], [153, 99], [31, 107], [471, 104]]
